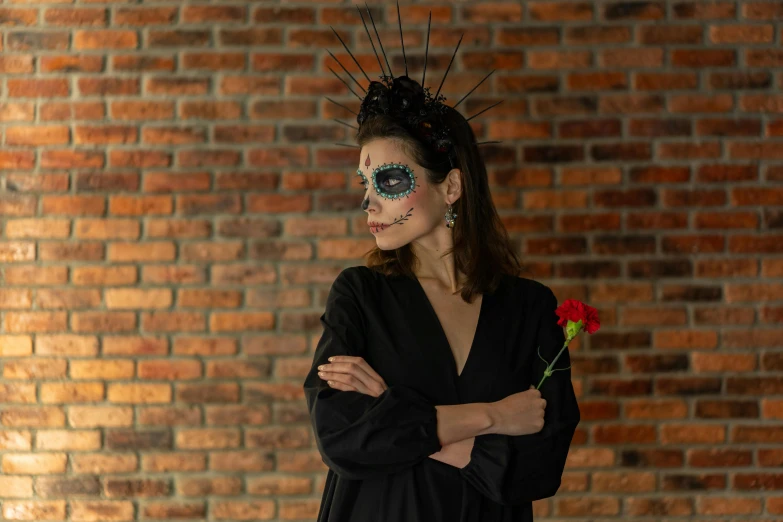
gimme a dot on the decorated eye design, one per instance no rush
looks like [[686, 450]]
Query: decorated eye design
[[391, 180]]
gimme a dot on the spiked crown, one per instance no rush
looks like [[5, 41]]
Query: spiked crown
[[404, 99]]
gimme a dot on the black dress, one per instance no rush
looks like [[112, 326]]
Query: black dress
[[377, 448]]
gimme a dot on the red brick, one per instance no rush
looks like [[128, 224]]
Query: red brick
[[141, 110], [103, 510], [35, 369], [15, 345], [100, 416], [107, 39], [241, 461], [66, 111], [42, 135], [68, 440], [38, 88], [213, 251], [178, 228], [73, 205], [141, 63], [200, 346], [198, 486], [108, 276], [34, 464], [150, 251], [241, 321], [174, 182], [15, 298], [138, 298], [139, 158], [104, 464], [139, 393], [24, 322], [174, 462], [16, 487], [33, 417], [21, 393], [66, 344], [173, 321], [32, 40], [34, 510], [170, 416], [169, 370], [113, 369], [37, 228], [209, 298], [71, 63], [19, 17], [141, 16], [16, 159], [76, 17], [185, 274], [210, 110], [70, 251], [213, 438], [54, 182], [109, 86], [251, 509], [71, 392], [105, 134], [106, 322], [134, 345]]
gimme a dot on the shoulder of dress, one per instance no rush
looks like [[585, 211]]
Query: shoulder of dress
[[527, 287], [354, 272], [355, 276]]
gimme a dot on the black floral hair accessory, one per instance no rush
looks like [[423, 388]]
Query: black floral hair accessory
[[404, 99]]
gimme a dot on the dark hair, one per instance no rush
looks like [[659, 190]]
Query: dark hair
[[482, 249]]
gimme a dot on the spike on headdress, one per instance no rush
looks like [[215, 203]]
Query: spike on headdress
[[409, 103]]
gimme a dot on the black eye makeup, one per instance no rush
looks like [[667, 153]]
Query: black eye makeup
[[391, 180]]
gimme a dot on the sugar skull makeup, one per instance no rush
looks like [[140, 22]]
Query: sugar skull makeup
[[391, 180], [402, 206]]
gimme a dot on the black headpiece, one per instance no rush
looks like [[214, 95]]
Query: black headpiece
[[403, 98]]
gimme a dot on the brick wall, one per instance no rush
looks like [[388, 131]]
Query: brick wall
[[173, 211]]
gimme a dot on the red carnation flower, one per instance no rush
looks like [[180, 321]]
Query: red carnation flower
[[575, 316], [573, 310]]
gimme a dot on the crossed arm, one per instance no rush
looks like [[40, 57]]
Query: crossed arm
[[458, 424]]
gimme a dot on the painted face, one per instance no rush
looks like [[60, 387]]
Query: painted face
[[401, 205]]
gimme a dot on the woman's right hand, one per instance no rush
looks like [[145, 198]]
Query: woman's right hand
[[518, 414]]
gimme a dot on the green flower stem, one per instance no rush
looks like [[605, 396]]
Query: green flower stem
[[549, 371]]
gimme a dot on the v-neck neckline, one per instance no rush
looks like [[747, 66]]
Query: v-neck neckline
[[438, 326]]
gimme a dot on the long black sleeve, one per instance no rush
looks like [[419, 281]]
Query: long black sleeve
[[360, 436], [516, 469]]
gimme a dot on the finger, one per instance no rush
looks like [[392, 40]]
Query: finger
[[355, 369], [360, 363], [374, 382], [340, 386], [349, 379], [350, 369], [345, 379]]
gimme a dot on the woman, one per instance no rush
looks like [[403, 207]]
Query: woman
[[421, 393], [429, 414]]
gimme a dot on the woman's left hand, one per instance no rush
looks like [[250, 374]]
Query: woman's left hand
[[348, 373]]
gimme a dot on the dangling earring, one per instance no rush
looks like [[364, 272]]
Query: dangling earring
[[450, 217]]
